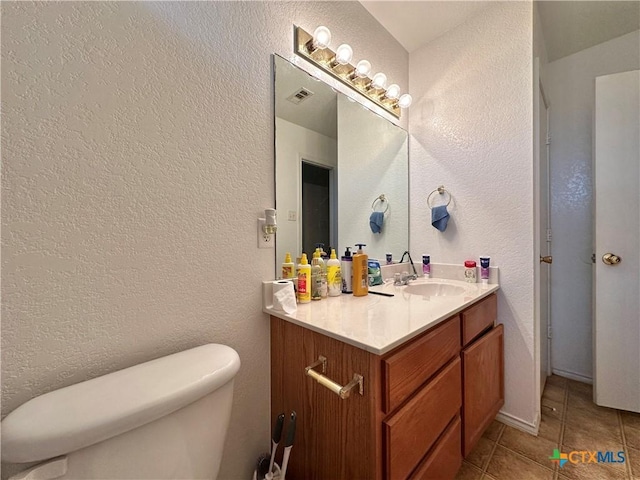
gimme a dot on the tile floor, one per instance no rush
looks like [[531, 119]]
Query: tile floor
[[570, 421]]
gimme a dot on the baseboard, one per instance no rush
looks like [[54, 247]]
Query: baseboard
[[518, 423], [572, 376]]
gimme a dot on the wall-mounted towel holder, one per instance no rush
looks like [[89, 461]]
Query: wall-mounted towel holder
[[382, 200], [342, 391], [440, 190]]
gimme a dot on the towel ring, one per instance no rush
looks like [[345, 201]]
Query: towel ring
[[382, 199], [441, 191]]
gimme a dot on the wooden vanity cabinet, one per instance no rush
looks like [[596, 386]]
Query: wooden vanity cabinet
[[410, 421], [482, 370]]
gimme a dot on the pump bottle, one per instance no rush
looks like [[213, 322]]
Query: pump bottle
[[347, 271], [318, 283], [360, 272]]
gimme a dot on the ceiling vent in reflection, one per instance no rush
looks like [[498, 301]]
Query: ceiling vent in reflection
[[300, 95]]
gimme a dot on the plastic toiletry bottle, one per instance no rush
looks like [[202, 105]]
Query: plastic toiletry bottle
[[426, 265], [334, 279], [347, 271], [389, 258], [324, 289], [304, 280], [360, 272], [316, 272], [470, 271], [484, 269], [288, 267]]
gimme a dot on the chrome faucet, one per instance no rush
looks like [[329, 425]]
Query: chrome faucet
[[405, 277], [413, 267]]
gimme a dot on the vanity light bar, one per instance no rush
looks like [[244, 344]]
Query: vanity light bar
[[317, 51]]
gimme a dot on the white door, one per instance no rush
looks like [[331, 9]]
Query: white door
[[617, 230], [545, 238], [542, 232]]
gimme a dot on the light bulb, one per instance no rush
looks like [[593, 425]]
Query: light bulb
[[363, 68], [379, 80], [405, 101], [321, 37], [344, 54], [393, 91]]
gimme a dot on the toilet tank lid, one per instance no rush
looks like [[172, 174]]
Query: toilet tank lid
[[89, 412]]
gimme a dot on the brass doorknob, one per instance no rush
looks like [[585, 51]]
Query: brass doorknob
[[611, 259], [547, 259]]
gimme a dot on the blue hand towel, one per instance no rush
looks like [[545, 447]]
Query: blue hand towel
[[440, 217], [375, 221]]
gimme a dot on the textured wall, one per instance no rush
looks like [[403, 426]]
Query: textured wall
[[471, 131], [570, 87], [137, 154]]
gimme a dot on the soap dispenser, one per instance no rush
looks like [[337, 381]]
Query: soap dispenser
[[346, 267], [360, 272]]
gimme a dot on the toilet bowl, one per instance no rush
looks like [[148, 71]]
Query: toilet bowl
[[163, 419]]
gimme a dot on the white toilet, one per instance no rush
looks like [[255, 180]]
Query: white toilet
[[164, 419]]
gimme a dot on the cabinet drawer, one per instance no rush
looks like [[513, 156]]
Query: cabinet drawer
[[445, 459], [412, 431], [478, 318], [404, 371]]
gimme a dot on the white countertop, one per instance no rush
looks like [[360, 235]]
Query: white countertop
[[376, 323]]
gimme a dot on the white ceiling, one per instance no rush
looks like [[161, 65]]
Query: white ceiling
[[568, 26], [571, 26], [415, 23]]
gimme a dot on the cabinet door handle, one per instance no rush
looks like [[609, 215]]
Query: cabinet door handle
[[342, 392]]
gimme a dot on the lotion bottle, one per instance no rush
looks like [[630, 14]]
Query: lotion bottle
[[334, 279], [304, 280], [347, 271], [288, 268], [360, 272]]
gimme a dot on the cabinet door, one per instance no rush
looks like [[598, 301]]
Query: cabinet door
[[483, 382]]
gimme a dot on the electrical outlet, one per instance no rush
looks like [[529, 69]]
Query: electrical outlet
[[292, 216], [264, 239]]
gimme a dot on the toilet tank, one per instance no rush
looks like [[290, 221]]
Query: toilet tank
[[166, 418]]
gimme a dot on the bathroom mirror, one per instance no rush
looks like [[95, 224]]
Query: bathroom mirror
[[334, 159]]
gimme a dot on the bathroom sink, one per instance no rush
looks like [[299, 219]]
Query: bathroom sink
[[435, 289]]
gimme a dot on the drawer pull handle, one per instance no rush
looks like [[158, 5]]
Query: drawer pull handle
[[342, 392]]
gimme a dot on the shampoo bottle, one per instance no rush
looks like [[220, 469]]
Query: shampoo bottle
[[334, 279], [360, 272], [304, 280], [347, 271], [288, 268]]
